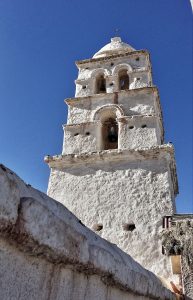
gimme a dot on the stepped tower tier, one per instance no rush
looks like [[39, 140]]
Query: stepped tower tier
[[115, 172]]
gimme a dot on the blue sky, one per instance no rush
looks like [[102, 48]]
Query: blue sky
[[40, 40]]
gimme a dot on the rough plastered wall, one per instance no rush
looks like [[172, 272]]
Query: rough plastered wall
[[46, 253], [138, 67], [133, 132], [26, 277], [138, 131], [117, 192], [81, 137], [133, 102], [138, 110]]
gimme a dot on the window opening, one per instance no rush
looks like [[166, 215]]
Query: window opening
[[101, 85], [123, 80]]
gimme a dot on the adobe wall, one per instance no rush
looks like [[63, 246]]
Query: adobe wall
[[46, 253], [144, 101], [137, 113], [137, 64], [25, 277], [122, 190]]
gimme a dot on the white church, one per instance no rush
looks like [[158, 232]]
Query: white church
[[108, 228], [116, 173]]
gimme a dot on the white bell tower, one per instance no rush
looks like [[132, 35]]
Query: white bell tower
[[115, 173]]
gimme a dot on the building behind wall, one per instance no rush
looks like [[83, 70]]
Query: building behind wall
[[115, 172]]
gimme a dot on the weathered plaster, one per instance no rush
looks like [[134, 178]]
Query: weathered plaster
[[85, 83], [126, 107], [120, 191], [132, 102], [47, 253], [133, 184]]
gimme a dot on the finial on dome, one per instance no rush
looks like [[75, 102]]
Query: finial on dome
[[116, 46], [116, 39]]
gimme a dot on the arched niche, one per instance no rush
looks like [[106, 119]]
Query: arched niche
[[98, 76], [120, 67], [109, 132], [123, 80], [108, 111], [100, 84], [121, 73]]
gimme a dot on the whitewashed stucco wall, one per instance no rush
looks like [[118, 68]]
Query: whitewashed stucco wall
[[46, 253], [120, 191]]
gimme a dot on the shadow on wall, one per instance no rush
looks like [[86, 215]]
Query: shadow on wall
[[153, 166]]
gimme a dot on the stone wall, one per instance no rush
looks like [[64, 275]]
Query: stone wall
[[177, 241], [47, 253], [187, 276]]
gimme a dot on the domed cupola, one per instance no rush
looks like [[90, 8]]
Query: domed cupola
[[116, 46]]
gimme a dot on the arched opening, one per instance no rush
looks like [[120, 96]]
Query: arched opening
[[100, 84], [110, 134], [123, 80]]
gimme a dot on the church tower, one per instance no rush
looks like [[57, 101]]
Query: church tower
[[115, 173]]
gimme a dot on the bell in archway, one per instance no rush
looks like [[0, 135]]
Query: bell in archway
[[112, 136]]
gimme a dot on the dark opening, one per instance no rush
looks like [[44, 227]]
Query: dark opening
[[137, 59], [110, 134], [84, 87], [143, 126], [129, 226], [123, 80], [87, 133], [176, 248], [131, 127], [101, 85], [97, 227], [76, 134]]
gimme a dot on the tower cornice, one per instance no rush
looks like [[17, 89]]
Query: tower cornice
[[69, 101], [110, 57], [115, 95], [165, 151]]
